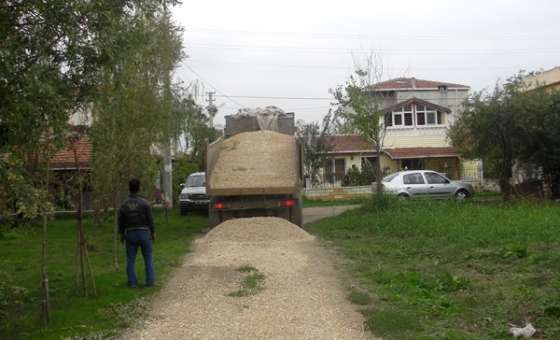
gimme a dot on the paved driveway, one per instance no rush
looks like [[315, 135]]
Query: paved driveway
[[313, 214]]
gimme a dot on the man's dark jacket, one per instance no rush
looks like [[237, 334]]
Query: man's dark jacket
[[135, 213]]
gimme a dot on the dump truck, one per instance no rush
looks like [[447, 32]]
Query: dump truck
[[256, 168]]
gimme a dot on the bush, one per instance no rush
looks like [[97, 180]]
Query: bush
[[355, 177]]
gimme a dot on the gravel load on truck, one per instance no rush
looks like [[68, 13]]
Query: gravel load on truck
[[254, 160], [257, 229]]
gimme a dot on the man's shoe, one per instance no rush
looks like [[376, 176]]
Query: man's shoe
[[132, 285]]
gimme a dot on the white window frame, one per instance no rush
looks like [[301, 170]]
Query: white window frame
[[427, 112], [414, 113], [402, 113]]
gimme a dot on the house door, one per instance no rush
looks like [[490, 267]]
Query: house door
[[335, 170], [339, 169], [412, 164]]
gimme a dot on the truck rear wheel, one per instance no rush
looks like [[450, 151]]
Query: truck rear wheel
[[297, 214], [213, 218]]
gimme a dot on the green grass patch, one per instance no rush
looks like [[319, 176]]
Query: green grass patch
[[359, 297], [252, 282], [74, 316], [393, 323], [246, 268], [463, 269]]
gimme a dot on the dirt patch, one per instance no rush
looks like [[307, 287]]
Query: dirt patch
[[302, 299]]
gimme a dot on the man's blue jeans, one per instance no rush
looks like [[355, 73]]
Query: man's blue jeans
[[139, 238]]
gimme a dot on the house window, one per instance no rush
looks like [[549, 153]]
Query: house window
[[403, 117], [407, 111], [431, 117], [335, 170], [397, 118], [411, 115], [388, 119], [427, 116], [412, 164], [420, 115]]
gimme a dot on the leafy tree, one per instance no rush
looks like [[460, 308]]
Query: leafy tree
[[489, 128], [541, 141], [359, 108], [199, 132], [136, 109], [314, 139]]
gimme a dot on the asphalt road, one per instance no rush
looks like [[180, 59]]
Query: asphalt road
[[314, 214]]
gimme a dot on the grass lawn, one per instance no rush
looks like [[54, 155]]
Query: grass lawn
[[452, 270], [115, 306]]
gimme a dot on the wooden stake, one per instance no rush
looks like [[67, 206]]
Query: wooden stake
[[45, 303]]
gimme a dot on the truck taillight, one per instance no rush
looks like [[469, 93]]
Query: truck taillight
[[218, 205], [288, 203]]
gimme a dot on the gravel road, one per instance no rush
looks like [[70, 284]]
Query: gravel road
[[302, 296], [313, 214]]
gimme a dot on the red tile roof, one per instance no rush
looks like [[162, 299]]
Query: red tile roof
[[64, 159], [415, 84], [404, 153], [349, 143]]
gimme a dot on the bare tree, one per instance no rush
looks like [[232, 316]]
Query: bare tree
[[359, 108], [314, 138]]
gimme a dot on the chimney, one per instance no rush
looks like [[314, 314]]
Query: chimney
[[413, 82]]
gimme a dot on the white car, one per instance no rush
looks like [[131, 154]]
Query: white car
[[425, 183], [193, 196]]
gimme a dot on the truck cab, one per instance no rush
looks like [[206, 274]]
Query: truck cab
[[193, 195]]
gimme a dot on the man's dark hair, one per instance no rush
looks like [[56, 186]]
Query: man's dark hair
[[134, 186]]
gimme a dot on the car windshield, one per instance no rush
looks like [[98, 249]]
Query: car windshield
[[390, 177], [196, 181]]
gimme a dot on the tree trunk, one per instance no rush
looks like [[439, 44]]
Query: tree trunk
[[506, 176], [115, 232], [45, 301], [378, 172], [82, 249]]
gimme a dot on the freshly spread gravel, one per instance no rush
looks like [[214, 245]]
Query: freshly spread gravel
[[257, 229], [302, 297], [261, 159]]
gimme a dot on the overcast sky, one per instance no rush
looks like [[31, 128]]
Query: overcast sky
[[300, 49]]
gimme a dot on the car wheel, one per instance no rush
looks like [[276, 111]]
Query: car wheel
[[403, 196], [183, 211], [462, 194]]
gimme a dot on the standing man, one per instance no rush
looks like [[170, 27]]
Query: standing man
[[136, 226]]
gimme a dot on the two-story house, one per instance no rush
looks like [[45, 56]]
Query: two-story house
[[418, 114]]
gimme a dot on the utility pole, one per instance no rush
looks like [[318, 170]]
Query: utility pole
[[211, 108]]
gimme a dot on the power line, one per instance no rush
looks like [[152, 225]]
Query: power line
[[212, 86], [389, 37], [272, 97], [428, 51], [334, 67]]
